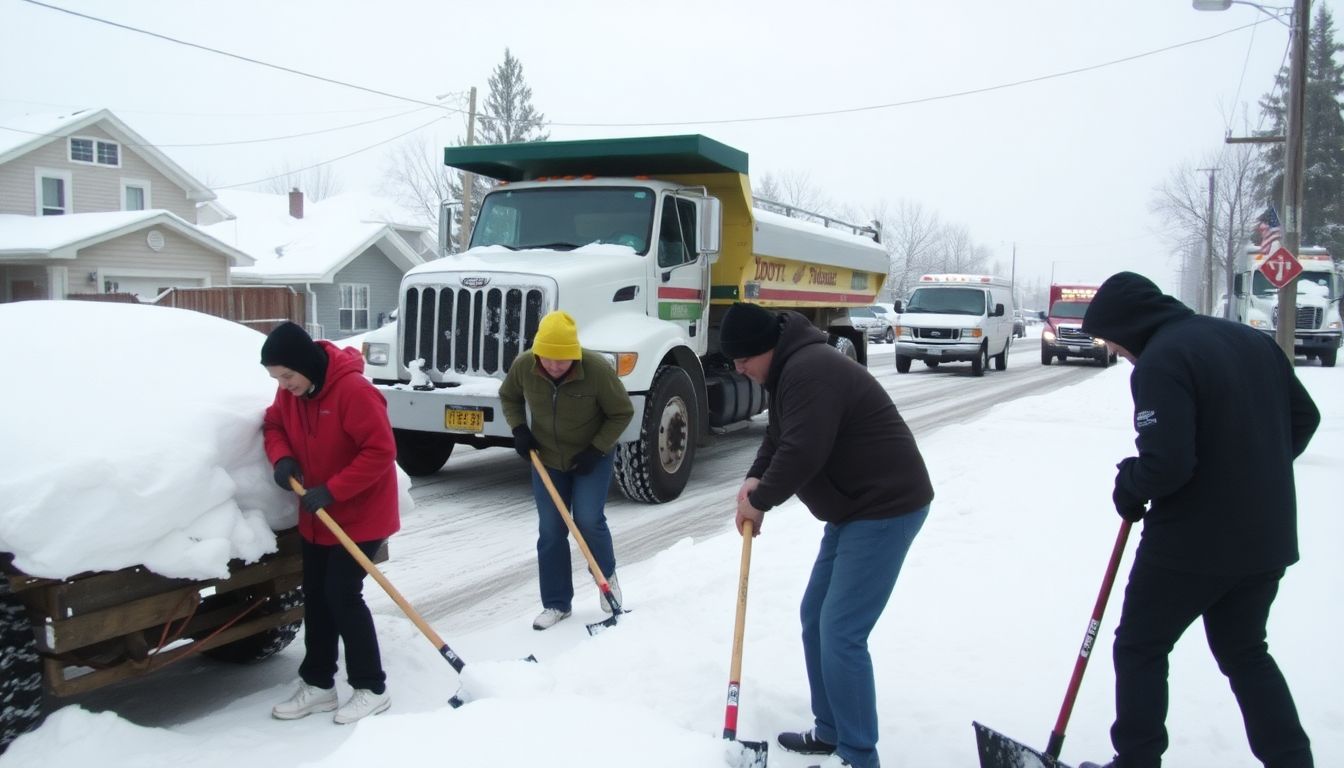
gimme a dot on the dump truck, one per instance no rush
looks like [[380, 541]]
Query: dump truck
[[646, 242]]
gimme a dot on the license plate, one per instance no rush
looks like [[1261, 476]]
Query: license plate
[[458, 419], [1075, 349]]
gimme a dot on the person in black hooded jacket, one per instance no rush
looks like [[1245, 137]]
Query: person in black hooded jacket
[[1219, 511]]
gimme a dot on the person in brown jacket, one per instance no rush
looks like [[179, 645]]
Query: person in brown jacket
[[836, 440]]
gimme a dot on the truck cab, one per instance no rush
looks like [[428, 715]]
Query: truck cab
[[1320, 287], [1062, 336]]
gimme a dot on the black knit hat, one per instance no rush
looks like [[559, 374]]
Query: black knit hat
[[291, 346], [748, 330]]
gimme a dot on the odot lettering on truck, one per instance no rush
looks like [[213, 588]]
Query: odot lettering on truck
[[784, 280]]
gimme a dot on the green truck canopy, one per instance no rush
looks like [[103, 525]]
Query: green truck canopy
[[651, 156]]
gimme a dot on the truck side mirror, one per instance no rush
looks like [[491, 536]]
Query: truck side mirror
[[711, 220], [897, 305], [1041, 314], [1239, 286], [998, 310]]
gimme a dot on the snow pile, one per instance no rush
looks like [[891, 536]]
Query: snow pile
[[132, 436]]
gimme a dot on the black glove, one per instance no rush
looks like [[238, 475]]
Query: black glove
[[286, 468], [586, 459], [316, 498], [523, 442], [1130, 507]]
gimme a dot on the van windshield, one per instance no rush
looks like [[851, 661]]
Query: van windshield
[[947, 301], [1069, 310]]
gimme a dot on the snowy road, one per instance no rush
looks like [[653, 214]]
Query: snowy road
[[465, 556]]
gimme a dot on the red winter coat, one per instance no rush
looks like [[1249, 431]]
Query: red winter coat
[[342, 439]]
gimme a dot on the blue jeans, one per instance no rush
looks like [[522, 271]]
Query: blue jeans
[[853, 576], [586, 498]]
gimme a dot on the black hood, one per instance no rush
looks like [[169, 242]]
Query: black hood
[[795, 332], [1128, 309]]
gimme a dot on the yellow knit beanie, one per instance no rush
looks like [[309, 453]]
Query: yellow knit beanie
[[557, 337]]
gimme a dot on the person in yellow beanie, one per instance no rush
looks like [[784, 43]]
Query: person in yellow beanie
[[579, 407]]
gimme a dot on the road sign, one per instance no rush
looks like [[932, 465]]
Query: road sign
[[1281, 267]]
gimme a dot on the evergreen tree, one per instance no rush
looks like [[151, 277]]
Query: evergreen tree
[[507, 117], [1323, 196]]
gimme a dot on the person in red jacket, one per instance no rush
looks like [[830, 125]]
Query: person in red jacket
[[328, 428]]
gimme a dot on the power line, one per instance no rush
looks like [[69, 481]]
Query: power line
[[133, 111]]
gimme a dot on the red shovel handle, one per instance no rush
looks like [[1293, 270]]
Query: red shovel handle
[[1089, 639]]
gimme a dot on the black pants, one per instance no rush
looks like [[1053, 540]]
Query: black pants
[[334, 609], [1160, 604]]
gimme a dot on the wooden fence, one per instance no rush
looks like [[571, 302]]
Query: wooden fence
[[262, 307]]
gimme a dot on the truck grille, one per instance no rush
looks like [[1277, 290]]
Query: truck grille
[[470, 331], [1074, 335], [1308, 318], [937, 334]]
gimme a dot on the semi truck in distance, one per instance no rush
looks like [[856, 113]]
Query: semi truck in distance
[[1320, 286], [1062, 336], [646, 242]]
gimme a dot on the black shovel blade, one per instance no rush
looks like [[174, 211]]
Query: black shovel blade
[[999, 751], [747, 754]]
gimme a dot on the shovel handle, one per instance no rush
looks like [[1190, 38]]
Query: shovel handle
[[739, 632], [1056, 742], [378, 576], [573, 529]]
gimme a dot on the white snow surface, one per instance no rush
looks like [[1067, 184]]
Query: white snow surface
[[984, 624], [132, 436]]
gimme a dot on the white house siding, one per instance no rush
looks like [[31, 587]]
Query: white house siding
[[95, 187], [370, 268], [129, 261]]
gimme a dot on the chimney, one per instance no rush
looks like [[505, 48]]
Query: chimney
[[296, 203]]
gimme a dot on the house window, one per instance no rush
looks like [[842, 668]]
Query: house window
[[134, 195], [96, 151], [354, 307], [52, 192]]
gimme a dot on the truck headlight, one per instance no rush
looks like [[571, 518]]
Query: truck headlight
[[1334, 325], [1256, 322], [904, 332], [377, 354], [623, 362], [971, 333], [1048, 335]]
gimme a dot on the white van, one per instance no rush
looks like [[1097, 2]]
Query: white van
[[955, 318]]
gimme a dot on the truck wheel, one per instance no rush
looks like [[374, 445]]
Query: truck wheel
[[931, 363], [981, 361], [845, 347], [264, 644], [655, 467], [1046, 357], [422, 453], [20, 671], [889, 337], [902, 364], [1001, 359], [1328, 358]]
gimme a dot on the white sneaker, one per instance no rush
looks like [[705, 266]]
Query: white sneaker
[[549, 618], [305, 701], [833, 761], [362, 704], [615, 592]]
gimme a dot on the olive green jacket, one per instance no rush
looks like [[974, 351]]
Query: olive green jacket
[[588, 407]]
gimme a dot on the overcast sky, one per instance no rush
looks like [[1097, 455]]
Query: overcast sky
[[1064, 167]]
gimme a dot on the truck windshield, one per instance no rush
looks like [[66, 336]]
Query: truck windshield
[[565, 218], [1262, 287], [947, 301], [1069, 310]]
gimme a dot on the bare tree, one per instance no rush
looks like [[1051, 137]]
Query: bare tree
[[317, 182], [909, 234], [794, 189], [957, 252], [416, 178]]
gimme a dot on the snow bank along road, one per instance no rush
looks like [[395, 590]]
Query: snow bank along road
[[467, 553]]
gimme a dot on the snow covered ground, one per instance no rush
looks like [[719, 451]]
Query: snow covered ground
[[984, 624]]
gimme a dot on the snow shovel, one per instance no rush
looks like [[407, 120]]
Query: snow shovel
[[999, 751], [448, 653], [752, 753], [593, 568]]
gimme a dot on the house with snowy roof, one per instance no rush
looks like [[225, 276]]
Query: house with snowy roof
[[346, 253], [87, 205]]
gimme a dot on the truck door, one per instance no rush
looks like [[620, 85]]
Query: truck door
[[681, 292]]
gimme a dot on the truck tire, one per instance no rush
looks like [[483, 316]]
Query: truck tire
[[845, 347], [422, 453], [1001, 359], [1328, 358], [654, 469], [20, 671], [889, 337], [1046, 357], [902, 364], [981, 361], [262, 645]]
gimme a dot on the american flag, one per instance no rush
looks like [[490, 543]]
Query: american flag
[[1269, 228]]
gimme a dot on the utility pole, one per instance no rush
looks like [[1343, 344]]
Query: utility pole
[[1294, 165], [468, 181], [1206, 304]]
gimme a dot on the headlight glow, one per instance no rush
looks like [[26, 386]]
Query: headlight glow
[[377, 354]]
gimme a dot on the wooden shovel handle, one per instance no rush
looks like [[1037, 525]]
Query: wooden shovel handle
[[740, 626], [569, 522]]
